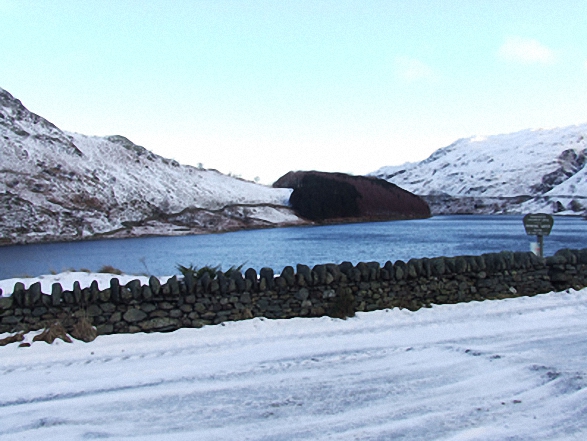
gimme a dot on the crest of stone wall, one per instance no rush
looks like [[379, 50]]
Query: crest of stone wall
[[336, 290]]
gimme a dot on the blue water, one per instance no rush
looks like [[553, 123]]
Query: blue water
[[276, 248]]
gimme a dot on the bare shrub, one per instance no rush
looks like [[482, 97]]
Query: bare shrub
[[84, 331], [11, 339], [52, 332], [109, 269]]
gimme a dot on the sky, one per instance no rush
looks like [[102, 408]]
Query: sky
[[257, 88]]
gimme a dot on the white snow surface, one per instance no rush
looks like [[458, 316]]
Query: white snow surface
[[511, 369], [68, 278], [58, 184], [546, 165]]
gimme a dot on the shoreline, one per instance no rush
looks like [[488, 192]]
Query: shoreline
[[118, 233]]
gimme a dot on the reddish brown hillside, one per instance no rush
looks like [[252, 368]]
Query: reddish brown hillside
[[321, 196]]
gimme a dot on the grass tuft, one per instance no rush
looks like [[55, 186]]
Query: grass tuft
[[109, 269]]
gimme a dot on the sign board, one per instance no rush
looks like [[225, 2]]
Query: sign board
[[538, 224]]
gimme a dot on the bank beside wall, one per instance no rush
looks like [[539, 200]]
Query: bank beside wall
[[337, 290]]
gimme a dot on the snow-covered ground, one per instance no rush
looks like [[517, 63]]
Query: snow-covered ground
[[513, 369]]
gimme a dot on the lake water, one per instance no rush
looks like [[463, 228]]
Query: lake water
[[276, 248]]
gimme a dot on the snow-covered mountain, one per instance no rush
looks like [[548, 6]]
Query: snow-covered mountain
[[56, 185], [531, 170]]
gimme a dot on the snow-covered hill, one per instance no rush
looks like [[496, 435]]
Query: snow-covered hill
[[56, 185], [531, 170]]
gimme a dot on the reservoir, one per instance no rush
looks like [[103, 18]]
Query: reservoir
[[279, 247]]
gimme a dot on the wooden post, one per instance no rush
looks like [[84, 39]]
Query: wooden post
[[540, 244]]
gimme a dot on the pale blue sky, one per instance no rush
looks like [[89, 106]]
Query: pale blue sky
[[258, 88]]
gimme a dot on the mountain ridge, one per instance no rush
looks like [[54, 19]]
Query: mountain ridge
[[530, 170], [57, 185]]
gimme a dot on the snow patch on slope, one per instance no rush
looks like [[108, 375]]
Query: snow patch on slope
[[56, 184], [537, 168]]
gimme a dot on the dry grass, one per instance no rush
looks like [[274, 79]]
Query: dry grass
[[52, 332], [84, 331], [109, 269], [12, 339]]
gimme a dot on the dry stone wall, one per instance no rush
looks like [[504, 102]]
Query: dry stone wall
[[337, 290]]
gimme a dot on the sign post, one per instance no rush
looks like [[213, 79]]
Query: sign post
[[539, 225]]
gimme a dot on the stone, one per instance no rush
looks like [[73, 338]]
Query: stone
[[94, 310], [104, 295], [134, 315], [68, 297], [328, 294], [148, 307], [345, 267], [147, 293], [329, 278], [414, 267], [165, 305], [267, 274], [134, 286], [154, 285], [108, 307], [302, 294], [437, 266], [115, 289], [105, 329], [320, 271], [6, 303], [77, 293], [460, 265], [223, 283], [334, 270], [374, 270], [94, 290], [305, 272], [251, 274], [56, 292], [354, 275], [239, 281], [364, 270], [34, 294], [173, 286], [10, 320], [288, 275], [38, 311], [125, 294], [400, 269], [46, 300]]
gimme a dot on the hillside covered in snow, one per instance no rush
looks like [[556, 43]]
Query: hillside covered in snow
[[531, 170], [56, 185]]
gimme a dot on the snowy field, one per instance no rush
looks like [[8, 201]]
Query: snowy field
[[514, 369]]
